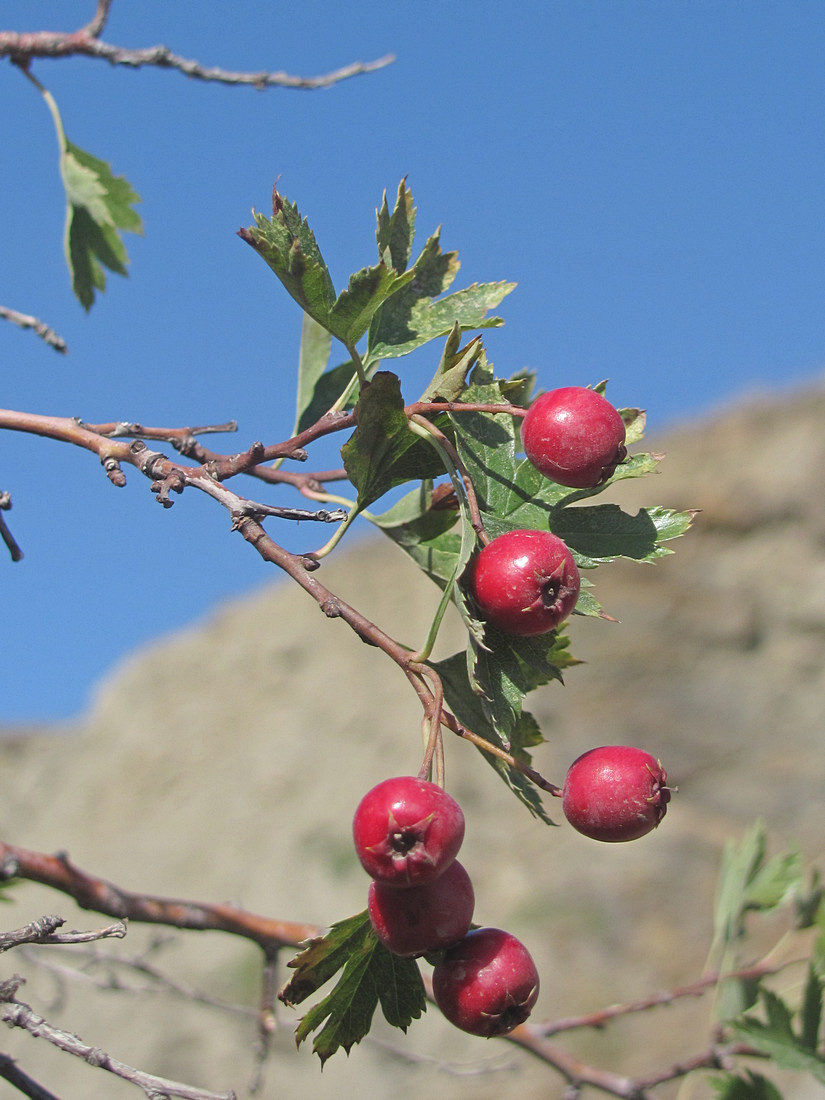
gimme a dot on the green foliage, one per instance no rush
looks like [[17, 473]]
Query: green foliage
[[99, 205], [383, 452], [751, 1086], [467, 478], [370, 975]]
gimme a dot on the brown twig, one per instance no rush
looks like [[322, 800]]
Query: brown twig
[[25, 320], [5, 534], [17, 1014], [23, 47], [10, 1071], [44, 930], [58, 872]]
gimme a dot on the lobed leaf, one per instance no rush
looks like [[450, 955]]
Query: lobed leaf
[[395, 231], [525, 733], [370, 975], [288, 246], [99, 206], [751, 1086], [383, 452]]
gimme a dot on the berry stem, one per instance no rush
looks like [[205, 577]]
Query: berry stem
[[456, 470], [452, 723]]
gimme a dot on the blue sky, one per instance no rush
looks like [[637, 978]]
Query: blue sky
[[651, 174]]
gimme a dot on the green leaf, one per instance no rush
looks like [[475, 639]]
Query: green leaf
[[370, 975], [395, 232], [604, 532], [99, 206], [411, 322], [810, 1013], [504, 668], [749, 881], [450, 379], [383, 452], [316, 343], [355, 307], [752, 1086], [775, 1039], [287, 244], [323, 957], [525, 733]]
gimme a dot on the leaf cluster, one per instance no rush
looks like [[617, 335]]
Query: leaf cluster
[[465, 465], [783, 1026], [370, 975]]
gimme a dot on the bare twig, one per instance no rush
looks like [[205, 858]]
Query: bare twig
[[5, 534], [10, 1071], [17, 1014], [23, 47], [25, 320], [44, 930], [58, 872]]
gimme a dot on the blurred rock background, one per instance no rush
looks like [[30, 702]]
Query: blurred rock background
[[223, 764]]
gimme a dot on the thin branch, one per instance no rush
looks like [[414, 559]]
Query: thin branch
[[97, 23], [5, 534], [10, 1072], [166, 476], [58, 872], [23, 47], [44, 930], [17, 1014], [25, 320]]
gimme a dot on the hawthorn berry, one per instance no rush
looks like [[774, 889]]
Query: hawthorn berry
[[424, 918], [574, 436], [615, 793], [525, 582], [487, 983], [407, 831]]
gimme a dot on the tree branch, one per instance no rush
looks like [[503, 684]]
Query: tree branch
[[23, 47], [17, 1014], [10, 1072], [58, 872], [25, 320]]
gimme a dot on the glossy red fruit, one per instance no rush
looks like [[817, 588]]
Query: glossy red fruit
[[425, 918], [525, 582], [407, 831], [487, 984], [574, 436], [615, 793]]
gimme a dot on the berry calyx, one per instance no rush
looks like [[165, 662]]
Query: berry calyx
[[615, 793], [425, 918], [487, 983], [525, 582], [574, 436], [407, 831]]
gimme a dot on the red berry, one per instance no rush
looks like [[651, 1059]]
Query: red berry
[[407, 831], [615, 793], [487, 984], [574, 436], [425, 918], [525, 582]]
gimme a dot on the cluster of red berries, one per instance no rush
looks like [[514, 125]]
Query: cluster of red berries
[[407, 833], [526, 582]]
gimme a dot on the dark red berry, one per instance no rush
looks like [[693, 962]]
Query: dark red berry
[[525, 582], [574, 436], [407, 831], [487, 983], [425, 918], [615, 793]]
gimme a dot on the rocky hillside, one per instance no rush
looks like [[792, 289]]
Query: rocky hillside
[[224, 764]]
